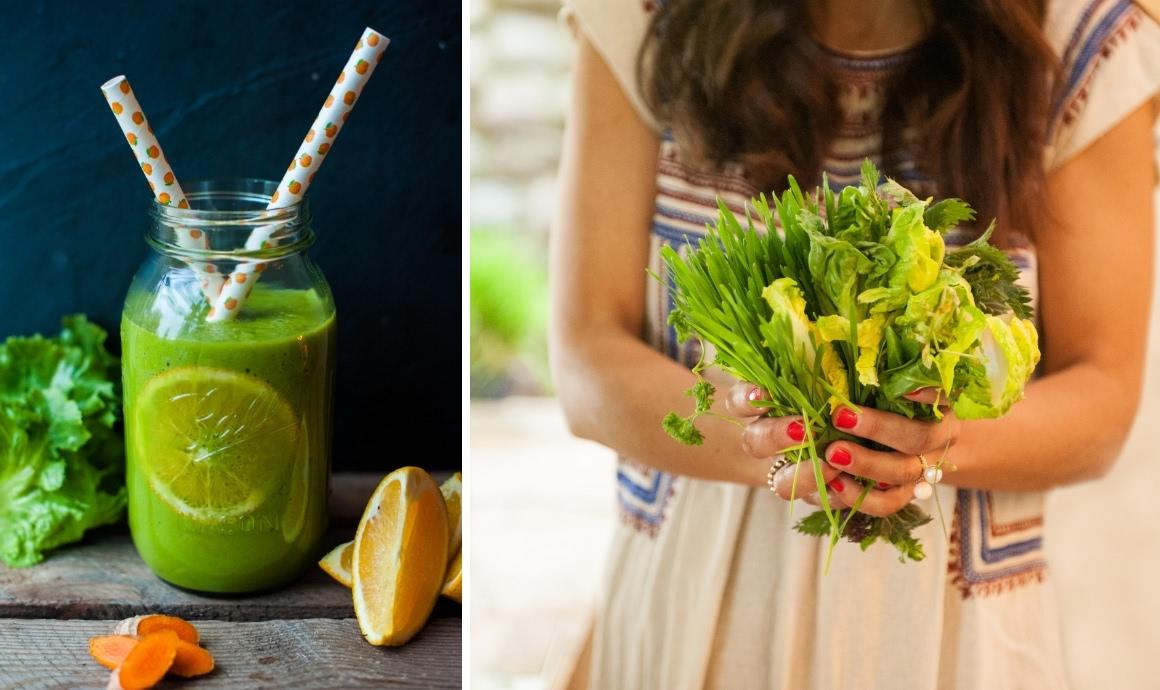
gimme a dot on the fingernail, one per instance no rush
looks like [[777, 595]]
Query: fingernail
[[796, 431], [840, 456], [754, 395], [883, 486], [836, 484], [846, 418]]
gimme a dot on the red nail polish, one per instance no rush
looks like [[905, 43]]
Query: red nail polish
[[796, 431], [840, 456], [754, 395], [837, 485], [882, 486], [846, 418]]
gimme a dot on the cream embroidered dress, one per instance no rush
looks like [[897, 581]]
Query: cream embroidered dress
[[708, 586]]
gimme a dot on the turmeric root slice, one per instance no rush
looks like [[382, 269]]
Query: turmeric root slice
[[147, 663], [191, 661], [111, 650], [151, 623]]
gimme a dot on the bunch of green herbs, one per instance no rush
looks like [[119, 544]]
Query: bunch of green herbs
[[856, 302]]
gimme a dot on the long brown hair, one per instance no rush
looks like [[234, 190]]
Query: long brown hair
[[741, 80]]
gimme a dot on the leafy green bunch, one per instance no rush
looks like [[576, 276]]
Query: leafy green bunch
[[61, 458], [856, 302]]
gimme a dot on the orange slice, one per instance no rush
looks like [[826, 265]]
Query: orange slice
[[400, 557], [337, 563], [452, 491], [453, 585]]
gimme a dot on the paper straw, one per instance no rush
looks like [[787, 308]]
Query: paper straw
[[368, 52], [162, 181]]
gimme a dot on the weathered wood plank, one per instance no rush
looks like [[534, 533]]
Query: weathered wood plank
[[104, 578], [284, 654]]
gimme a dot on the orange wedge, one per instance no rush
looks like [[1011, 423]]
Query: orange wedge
[[452, 490], [400, 557], [453, 585], [337, 563]]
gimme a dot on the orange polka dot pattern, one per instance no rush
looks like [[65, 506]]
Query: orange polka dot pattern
[[131, 118], [152, 161], [368, 52], [343, 96]]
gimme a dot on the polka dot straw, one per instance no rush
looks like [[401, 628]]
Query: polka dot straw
[[368, 51], [162, 181]]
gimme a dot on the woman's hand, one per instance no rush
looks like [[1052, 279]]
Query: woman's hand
[[767, 437], [894, 473]]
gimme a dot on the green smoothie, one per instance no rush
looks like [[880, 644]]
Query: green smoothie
[[228, 437]]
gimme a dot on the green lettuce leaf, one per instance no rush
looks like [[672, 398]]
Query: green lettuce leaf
[[1008, 353], [791, 332], [871, 330], [836, 267], [789, 311], [919, 249], [61, 457]]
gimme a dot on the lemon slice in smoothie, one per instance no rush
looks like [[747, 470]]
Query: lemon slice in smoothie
[[215, 444], [298, 502]]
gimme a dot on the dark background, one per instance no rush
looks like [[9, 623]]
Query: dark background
[[230, 89]]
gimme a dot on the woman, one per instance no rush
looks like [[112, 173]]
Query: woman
[[1039, 116]]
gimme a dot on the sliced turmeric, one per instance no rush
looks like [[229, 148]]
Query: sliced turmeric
[[191, 661], [111, 650], [151, 623], [133, 668], [147, 663]]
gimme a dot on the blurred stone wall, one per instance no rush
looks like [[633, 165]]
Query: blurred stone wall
[[520, 57]]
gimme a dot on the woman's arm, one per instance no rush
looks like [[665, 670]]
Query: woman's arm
[[1095, 278], [614, 388]]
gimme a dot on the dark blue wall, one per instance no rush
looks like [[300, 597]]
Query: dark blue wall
[[230, 88]]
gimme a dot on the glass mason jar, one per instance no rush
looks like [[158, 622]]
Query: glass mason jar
[[227, 422]]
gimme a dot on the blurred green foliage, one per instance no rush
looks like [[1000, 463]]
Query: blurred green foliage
[[509, 314]]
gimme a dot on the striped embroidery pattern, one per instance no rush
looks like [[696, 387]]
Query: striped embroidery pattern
[[1102, 28], [989, 557], [643, 493]]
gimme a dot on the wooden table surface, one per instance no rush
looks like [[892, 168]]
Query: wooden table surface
[[303, 637]]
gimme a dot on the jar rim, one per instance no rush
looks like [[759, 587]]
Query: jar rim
[[232, 215], [251, 194]]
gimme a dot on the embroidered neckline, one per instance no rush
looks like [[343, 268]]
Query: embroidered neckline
[[861, 60]]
